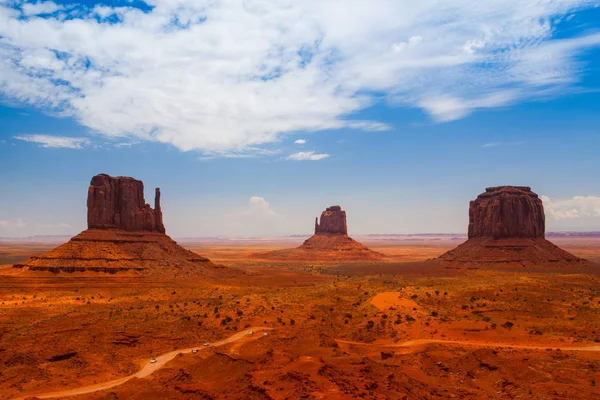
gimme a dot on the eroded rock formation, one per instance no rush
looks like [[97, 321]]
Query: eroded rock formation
[[330, 241], [124, 235], [333, 221], [507, 225], [507, 212], [118, 203]]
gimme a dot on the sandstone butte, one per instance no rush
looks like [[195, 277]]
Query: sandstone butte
[[507, 225], [330, 242], [124, 234]]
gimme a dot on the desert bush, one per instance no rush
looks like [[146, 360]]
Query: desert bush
[[508, 325]]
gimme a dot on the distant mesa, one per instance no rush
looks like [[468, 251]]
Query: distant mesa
[[330, 241], [124, 234], [333, 221], [507, 225]]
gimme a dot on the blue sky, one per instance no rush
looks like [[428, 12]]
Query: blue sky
[[402, 112]]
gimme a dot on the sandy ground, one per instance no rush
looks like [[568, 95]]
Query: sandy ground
[[397, 329]]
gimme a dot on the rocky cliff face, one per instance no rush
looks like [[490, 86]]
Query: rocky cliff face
[[506, 227], [507, 212], [118, 203], [333, 221]]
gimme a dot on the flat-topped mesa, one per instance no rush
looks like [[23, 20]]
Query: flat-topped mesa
[[118, 203], [507, 212], [506, 227], [333, 221], [124, 235]]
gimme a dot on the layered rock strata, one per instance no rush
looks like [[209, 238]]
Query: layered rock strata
[[124, 234], [507, 225]]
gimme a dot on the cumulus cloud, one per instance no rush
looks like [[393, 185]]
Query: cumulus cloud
[[257, 219], [260, 206], [40, 8], [576, 207], [306, 156], [56, 141], [300, 141], [225, 77]]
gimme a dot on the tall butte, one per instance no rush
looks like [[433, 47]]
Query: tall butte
[[124, 234], [330, 241], [507, 225]]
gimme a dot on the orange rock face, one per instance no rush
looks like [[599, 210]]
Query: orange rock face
[[333, 220], [507, 212], [118, 203], [124, 234], [330, 242], [507, 225]]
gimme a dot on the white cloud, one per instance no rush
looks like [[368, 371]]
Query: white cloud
[[492, 144], [40, 8], [306, 156], [258, 205], [124, 144], [496, 144], [368, 126], [257, 219], [16, 223], [300, 141], [249, 152], [56, 141], [576, 207], [226, 77]]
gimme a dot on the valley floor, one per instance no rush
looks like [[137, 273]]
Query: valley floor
[[402, 328]]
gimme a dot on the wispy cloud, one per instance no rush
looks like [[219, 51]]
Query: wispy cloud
[[369, 126], [496, 144], [492, 144], [56, 141], [306, 156], [124, 144], [300, 141], [15, 223], [228, 77], [250, 152]]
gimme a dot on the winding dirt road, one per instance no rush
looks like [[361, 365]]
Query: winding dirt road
[[148, 368], [420, 342], [163, 359]]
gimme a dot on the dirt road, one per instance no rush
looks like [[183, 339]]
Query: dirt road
[[148, 368], [163, 359]]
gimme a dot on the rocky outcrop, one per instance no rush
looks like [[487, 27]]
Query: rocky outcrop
[[507, 212], [333, 221], [330, 242], [124, 235], [507, 226], [118, 203]]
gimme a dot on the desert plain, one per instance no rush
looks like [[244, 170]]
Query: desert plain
[[400, 327]]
